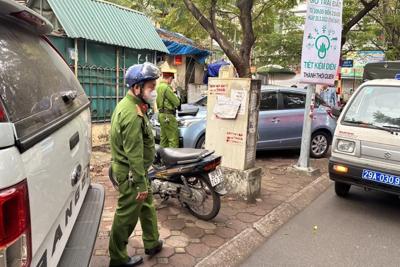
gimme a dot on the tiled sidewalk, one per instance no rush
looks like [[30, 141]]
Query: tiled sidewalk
[[187, 239]]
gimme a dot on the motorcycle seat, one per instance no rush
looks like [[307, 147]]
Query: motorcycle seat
[[172, 156], [158, 149]]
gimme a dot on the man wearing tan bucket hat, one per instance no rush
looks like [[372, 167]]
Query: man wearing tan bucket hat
[[167, 103]]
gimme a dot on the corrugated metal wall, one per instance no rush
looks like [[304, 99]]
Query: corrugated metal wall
[[97, 71]]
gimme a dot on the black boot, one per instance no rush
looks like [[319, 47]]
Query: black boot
[[155, 250]]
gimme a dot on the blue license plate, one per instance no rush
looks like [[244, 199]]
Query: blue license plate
[[381, 177]]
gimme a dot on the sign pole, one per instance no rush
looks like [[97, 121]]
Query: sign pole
[[319, 64], [304, 160]]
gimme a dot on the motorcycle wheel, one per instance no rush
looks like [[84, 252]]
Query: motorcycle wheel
[[113, 179], [209, 209]]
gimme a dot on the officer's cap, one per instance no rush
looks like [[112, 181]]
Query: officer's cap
[[169, 73]]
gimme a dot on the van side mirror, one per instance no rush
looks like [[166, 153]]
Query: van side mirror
[[336, 111]]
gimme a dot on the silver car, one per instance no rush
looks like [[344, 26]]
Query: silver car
[[50, 211], [280, 122]]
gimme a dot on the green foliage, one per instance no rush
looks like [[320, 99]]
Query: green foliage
[[178, 19], [278, 31], [282, 46], [174, 16], [379, 30]]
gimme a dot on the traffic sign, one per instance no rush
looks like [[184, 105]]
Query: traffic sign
[[349, 63]]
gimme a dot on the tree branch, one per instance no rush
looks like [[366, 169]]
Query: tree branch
[[200, 17], [226, 12], [212, 15], [367, 8], [245, 7], [212, 29], [264, 7]]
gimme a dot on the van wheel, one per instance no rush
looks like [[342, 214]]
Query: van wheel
[[319, 145], [342, 189], [201, 144]]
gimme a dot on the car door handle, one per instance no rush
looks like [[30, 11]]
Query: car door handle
[[69, 96], [73, 141], [275, 120]]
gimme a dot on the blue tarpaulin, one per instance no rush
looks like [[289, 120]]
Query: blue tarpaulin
[[213, 70], [184, 47]]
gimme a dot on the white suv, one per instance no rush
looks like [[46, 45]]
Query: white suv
[[49, 211]]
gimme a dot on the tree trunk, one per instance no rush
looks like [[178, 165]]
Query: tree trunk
[[245, 7], [241, 60]]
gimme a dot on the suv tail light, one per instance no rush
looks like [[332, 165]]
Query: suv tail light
[[15, 226], [329, 111], [3, 114]]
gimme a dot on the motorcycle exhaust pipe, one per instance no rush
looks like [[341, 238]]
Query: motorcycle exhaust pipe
[[186, 185]]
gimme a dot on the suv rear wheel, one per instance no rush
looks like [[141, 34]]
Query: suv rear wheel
[[319, 145]]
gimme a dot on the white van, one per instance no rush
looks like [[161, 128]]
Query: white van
[[49, 211], [366, 145]]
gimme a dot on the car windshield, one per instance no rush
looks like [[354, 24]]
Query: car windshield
[[375, 106], [201, 102]]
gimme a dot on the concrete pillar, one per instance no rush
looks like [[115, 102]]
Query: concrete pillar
[[236, 139]]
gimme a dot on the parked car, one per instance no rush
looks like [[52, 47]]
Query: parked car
[[46, 200], [280, 123]]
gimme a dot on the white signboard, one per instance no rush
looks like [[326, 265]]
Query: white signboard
[[240, 96], [321, 42]]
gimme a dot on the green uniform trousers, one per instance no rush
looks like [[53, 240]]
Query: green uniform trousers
[[169, 131], [128, 211]]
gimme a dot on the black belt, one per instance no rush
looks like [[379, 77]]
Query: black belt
[[165, 111]]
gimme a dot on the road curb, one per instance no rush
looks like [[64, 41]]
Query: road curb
[[243, 245]]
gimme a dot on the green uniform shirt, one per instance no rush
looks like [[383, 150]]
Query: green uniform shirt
[[131, 139], [171, 100]]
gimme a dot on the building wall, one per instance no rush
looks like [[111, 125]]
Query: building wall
[[199, 74], [349, 87], [180, 78], [181, 70]]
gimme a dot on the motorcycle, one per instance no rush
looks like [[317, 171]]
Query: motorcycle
[[192, 176]]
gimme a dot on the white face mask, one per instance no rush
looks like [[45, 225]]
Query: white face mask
[[150, 97]]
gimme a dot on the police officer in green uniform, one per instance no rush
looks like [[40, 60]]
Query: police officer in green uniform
[[167, 103], [132, 149]]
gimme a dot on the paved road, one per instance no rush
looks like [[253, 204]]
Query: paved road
[[360, 230]]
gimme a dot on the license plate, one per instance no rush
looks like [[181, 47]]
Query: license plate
[[381, 177], [216, 177], [154, 132]]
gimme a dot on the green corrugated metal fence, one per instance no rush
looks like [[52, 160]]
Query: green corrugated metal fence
[[97, 71], [100, 85]]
